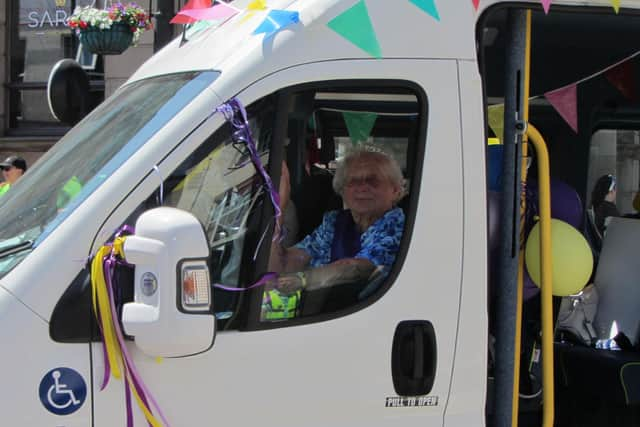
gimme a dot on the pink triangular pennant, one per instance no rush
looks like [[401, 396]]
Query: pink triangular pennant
[[546, 4], [622, 77], [565, 102], [196, 4], [185, 16], [476, 3], [219, 11], [181, 18]]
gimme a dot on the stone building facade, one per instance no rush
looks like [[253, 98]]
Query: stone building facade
[[33, 37]]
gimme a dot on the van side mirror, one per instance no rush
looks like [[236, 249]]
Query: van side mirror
[[172, 310]]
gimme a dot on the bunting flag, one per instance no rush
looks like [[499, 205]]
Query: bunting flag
[[197, 27], [546, 4], [495, 115], [428, 6], [191, 5], [275, 21], [564, 100], [252, 8], [196, 4], [622, 77], [359, 125], [355, 25], [181, 19], [219, 11], [616, 5], [476, 3]]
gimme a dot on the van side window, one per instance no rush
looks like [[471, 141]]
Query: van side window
[[346, 157], [350, 157]]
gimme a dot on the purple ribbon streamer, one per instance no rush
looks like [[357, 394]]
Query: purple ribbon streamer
[[109, 263], [125, 229], [264, 279], [243, 132], [127, 393], [143, 392]]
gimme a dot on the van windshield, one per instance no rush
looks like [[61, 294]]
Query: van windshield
[[86, 156]]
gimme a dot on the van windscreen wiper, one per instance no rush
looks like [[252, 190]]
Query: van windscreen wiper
[[17, 247]]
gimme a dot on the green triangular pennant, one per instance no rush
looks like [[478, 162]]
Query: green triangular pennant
[[359, 125], [198, 26], [355, 25], [428, 6]]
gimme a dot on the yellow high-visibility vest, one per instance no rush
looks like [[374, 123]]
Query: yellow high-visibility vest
[[277, 306]]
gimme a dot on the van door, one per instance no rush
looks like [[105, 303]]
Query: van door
[[381, 355]]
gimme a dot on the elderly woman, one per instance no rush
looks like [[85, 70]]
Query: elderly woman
[[353, 244]]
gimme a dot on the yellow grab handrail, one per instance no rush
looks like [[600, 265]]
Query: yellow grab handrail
[[546, 288]]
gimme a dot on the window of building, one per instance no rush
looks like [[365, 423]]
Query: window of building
[[38, 38], [616, 152]]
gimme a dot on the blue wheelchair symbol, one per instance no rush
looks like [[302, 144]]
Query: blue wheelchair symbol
[[62, 391]]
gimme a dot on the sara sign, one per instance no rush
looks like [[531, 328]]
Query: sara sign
[[36, 14], [54, 18]]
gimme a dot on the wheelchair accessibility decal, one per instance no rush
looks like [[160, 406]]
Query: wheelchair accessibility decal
[[62, 391]]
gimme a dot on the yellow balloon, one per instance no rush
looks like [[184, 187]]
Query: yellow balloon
[[571, 257]]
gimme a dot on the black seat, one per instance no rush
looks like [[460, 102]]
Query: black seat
[[315, 198], [592, 234], [596, 387]]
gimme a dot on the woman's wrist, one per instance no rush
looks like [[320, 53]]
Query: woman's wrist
[[303, 279]]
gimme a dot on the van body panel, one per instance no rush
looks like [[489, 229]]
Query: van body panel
[[468, 386], [29, 357], [332, 370], [352, 382], [402, 31]]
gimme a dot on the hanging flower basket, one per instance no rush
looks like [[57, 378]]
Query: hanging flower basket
[[110, 31], [111, 41]]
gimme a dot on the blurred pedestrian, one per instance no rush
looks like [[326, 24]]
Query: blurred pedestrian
[[13, 168], [603, 201]]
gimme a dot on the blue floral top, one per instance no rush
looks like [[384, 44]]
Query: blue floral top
[[379, 243]]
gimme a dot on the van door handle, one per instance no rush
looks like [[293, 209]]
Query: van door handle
[[414, 358]]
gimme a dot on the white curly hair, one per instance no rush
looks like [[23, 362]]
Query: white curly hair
[[388, 165]]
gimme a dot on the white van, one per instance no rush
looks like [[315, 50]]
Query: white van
[[410, 351]]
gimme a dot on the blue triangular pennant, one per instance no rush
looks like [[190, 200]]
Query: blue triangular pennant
[[428, 6], [275, 21]]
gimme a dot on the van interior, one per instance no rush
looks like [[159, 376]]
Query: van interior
[[583, 100]]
